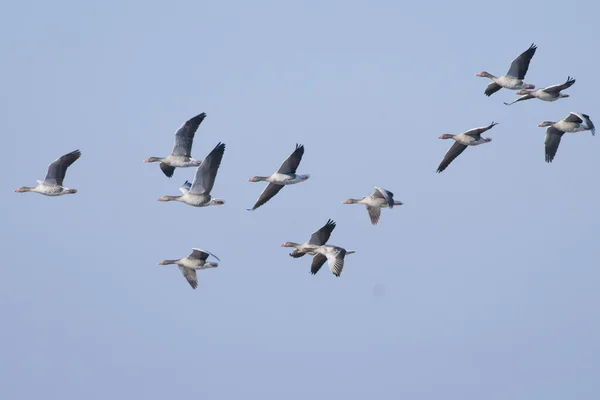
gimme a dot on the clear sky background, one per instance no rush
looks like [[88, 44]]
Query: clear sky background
[[484, 285]]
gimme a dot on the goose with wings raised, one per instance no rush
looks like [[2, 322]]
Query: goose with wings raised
[[285, 175], [52, 185], [197, 193], [318, 238], [381, 198], [195, 261], [462, 141], [181, 155], [513, 79]]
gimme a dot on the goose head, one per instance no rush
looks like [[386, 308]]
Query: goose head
[[351, 201], [153, 159], [545, 123], [289, 244], [446, 136], [168, 198], [23, 189], [257, 179], [485, 74]]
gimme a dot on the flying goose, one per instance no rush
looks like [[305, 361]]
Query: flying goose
[[551, 93], [574, 122], [318, 238], [285, 175], [197, 193], [381, 198], [52, 185], [188, 265], [181, 156], [513, 79], [469, 138], [334, 256]]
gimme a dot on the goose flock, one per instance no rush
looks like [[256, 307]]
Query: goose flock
[[198, 192]]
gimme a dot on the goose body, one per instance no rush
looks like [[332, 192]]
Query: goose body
[[334, 255], [318, 238], [573, 123], [181, 155], [381, 198], [551, 93], [195, 261], [462, 141], [52, 185], [514, 78], [197, 193], [285, 175]]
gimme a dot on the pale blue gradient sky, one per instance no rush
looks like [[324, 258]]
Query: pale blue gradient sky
[[490, 269]]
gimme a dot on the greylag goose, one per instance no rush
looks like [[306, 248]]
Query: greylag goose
[[334, 256], [318, 238], [181, 156], [381, 198], [574, 122], [551, 93], [197, 193], [188, 265], [469, 138], [52, 185], [513, 79], [285, 175]]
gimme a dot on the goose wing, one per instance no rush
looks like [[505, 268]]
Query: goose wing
[[207, 171], [200, 254], [520, 65], [335, 259], [557, 88], [374, 214], [583, 119], [476, 132], [454, 151], [270, 191], [551, 142], [317, 263], [184, 137], [492, 88], [321, 236], [384, 194], [58, 168], [190, 276], [290, 165]]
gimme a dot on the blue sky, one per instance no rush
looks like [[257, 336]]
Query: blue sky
[[482, 285]]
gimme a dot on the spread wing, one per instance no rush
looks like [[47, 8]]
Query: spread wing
[[321, 236], [206, 173], [58, 168], [583, 119], [476, 132], [336, 261], [454, 151], [551, 142], [190, 276], [317, 263], [290, 165], [271, 190], [184, 137], [200, 254], [492, 88], [374, 214], [557, 88], [520, 65], [524, 97], [167, 169], [384, 194]]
